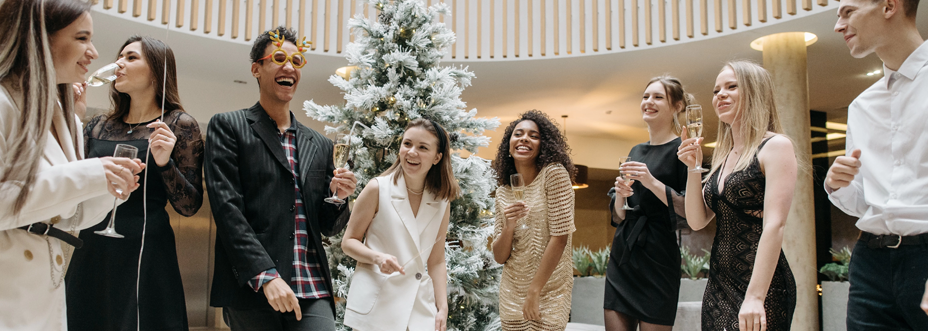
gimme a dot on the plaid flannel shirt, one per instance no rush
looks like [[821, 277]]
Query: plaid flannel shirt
[[307, 281]]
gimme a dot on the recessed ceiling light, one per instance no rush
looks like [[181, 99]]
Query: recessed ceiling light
[[875, 72], [758, 44], [608, 112], [239, 81]]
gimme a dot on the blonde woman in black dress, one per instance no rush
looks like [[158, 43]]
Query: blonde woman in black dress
[[749, 189], [643, 275]]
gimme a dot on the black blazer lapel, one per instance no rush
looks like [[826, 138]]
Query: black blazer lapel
[[267, 131], [306, 150]]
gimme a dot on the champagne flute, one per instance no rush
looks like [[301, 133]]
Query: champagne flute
[[518, 186], [340, 158], [104, 75], [127, 151], [625, 176], [518, 191], [694, 129]]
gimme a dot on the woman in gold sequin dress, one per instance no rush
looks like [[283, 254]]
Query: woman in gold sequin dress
[[532, 236]]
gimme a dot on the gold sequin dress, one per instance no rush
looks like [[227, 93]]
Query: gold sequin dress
[[551, 201]]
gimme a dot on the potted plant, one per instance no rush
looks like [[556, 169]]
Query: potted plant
[[835, 290], [695, 268], [589, 285]]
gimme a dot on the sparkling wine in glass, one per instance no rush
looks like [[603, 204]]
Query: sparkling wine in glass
[[694, 129], [103, 76], [625, 177], [518, 191], [127, 151], [340, 159], [518, 186]]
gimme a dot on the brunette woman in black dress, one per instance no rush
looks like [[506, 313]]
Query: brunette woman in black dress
[[101, 283], [643, 276]]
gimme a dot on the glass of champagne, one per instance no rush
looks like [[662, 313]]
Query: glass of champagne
[[104, 75], [518, 191], [340, 158], [127, 151], [625, 177], [694, 129]]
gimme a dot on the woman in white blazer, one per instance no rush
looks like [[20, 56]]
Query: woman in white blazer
[[47, 191], [397, 233]]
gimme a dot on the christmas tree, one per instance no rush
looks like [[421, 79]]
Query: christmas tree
[[393, 77]]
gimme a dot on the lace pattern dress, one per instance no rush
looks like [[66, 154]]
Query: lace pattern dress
[[101, 282], [551, 200], [739, 210]]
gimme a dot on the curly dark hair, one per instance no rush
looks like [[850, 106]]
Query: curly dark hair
[[553, 147], [263, 39]]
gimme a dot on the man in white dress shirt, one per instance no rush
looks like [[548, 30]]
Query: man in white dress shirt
[[883, 180]]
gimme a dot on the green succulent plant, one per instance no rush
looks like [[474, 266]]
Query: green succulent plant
[[583, 261], [837, 271], [693, 264]]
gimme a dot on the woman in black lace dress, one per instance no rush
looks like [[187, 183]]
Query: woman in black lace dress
[[101, 283], [749, 189], [643, 275]]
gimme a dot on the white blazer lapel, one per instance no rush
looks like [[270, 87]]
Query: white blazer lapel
[[404, 210], [55, 153], [426, 216]]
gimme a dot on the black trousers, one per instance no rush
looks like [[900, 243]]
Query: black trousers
[[317, 316], [886, 288]]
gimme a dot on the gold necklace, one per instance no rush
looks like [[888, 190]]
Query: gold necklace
[[414, 192]]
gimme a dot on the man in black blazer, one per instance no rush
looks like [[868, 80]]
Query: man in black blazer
[[267, 176]]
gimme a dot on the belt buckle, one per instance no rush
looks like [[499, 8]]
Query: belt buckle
[[897, 243]]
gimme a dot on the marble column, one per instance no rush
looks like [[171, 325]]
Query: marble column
[[785, 59]]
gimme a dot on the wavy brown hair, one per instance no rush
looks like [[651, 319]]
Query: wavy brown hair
[[552, 148]]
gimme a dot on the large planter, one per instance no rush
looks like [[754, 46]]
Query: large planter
[[586, 305], [692, 290], [689, 307], [834, 305]]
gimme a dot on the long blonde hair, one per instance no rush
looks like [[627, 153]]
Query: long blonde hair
[[757, 111], [27, 67]]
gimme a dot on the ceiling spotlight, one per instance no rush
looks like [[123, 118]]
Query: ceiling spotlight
[[239, 81], [875, 72], [758, 44]]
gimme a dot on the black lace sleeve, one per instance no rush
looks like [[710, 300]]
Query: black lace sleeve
[[89, 129], [183, 175]]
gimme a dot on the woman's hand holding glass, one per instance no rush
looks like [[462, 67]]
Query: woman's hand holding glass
[[690, 151], [622, 188], [122, 175], [80, 99], [514, 212], [638, 172]]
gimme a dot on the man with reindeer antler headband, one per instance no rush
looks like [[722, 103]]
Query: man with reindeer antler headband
[[267, 176]]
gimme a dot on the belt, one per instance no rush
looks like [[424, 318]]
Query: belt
[[47, 230], [875, 241]]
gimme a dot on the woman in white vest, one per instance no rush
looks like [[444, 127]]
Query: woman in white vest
[[48, 191], [397, 233]]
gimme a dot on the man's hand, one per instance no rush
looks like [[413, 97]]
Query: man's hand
[[842, 172], [281, 297], [925, 299], [344, 181]]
